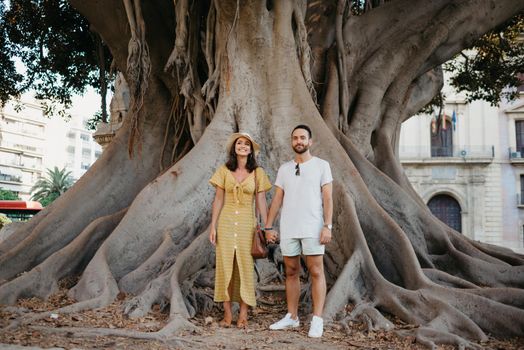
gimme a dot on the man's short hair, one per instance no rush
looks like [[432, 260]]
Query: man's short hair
[[303, 126]]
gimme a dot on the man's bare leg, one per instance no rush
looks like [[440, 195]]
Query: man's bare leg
[[315, 265], [292, 264]]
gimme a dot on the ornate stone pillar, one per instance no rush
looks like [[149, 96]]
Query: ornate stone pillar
[[118, 109]]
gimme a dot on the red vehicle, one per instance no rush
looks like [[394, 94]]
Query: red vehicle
[[19, 210]]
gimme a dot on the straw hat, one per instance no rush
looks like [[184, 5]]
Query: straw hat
[[255, 146]]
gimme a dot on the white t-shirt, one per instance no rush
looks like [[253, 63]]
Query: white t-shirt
[[302, 210]]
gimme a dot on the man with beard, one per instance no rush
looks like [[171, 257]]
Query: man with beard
[[304, 190]]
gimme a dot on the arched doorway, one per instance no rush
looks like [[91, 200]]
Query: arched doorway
[[447, 210]]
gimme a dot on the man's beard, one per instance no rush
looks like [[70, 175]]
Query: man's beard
[[302, 150]]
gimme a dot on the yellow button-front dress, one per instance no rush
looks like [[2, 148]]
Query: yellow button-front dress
[[236, 226]]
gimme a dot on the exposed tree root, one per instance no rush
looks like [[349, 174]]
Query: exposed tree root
[[349, 284], [267, 271], [501, 253], [97, 332], [168, 286], [215, 55], [157, 291], [444, 279], [430, 338], [368, 314], [272, 288], [342, 76], [330, 108], [179, 57], [479, 271], [304, 51], [63, 263], [158, 262], [198, 255], [508, 296]]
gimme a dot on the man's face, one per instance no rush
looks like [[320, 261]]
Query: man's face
[[300, 141]]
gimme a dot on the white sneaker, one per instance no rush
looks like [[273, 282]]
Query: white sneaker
[[286, 322], [317, 327]]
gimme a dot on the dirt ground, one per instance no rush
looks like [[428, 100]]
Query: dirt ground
[[207, 336]]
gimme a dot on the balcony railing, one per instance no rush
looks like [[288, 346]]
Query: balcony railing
[[12, 178], [21, 129], [8, 144], [459, 152]]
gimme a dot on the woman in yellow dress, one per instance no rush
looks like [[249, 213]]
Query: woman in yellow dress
[[233, 224]]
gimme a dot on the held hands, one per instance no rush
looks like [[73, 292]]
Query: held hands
[[271, 236], [325, 235], [213, 236]]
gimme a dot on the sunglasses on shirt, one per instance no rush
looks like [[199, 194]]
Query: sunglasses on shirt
[[297, 170]]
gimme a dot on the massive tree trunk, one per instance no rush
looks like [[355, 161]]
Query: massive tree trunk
[[200, 70]]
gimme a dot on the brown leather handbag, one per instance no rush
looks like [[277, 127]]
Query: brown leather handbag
[[259, 248]]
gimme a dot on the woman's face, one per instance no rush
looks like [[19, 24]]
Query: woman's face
[[242, 146]]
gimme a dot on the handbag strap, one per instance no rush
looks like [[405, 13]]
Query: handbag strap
[[257, 212]]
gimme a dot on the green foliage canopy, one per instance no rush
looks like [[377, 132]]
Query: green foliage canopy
[[54, 44], [494, 66]]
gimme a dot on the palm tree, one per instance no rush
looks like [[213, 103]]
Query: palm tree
[[46, 190]]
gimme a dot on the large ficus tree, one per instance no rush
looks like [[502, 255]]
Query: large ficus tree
[[200, 70]]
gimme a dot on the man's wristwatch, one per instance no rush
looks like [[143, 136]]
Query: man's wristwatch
[[328, 226]]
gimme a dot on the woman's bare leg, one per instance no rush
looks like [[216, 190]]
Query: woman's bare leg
[[228, 316], [242, 316]]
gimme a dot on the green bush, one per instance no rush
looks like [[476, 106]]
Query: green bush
[[4, 220], [8, 195]]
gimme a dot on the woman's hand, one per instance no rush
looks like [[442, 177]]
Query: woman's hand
[[213, 236], [271, 236], [218, 203]]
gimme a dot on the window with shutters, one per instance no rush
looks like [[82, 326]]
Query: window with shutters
[[519, 131], [442, 139], [521, 197]]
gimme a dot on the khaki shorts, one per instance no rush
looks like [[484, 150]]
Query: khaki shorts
[[298, 246]]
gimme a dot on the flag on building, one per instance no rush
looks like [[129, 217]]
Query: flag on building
[[443, 121], [454, 119], [434, 124]]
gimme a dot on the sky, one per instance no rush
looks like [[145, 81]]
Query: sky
[[88, 104]]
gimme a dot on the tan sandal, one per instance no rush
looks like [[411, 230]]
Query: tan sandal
[[224, 323], [242, 323]]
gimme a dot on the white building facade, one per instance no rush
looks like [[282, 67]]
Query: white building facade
[[469, 169], [30, 143]]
